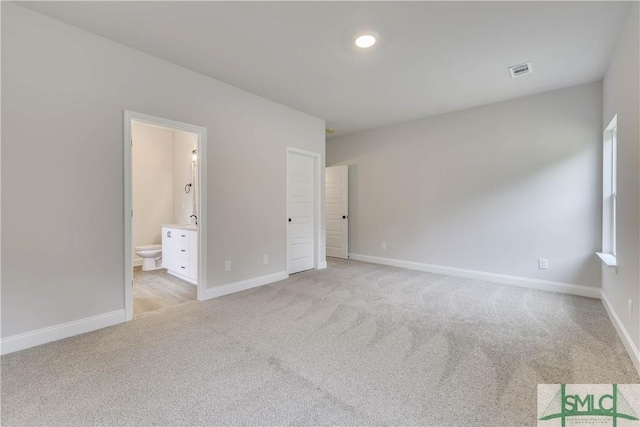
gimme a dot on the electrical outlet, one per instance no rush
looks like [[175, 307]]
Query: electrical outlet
[[543, 264], [227, 266], [383, 245], [630, 307], [265, 259]]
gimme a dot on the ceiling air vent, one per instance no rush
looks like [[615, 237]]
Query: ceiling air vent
[[520, 70]]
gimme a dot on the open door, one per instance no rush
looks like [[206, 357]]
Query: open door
[[337, 211]]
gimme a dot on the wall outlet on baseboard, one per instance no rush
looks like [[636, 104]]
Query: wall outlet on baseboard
[[227, 266], [383, 245], [265, 259], [630, 308], [543, 264]]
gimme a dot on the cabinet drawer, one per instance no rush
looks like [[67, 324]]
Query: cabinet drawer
[[182, 250], [182, 235], [182, 267]]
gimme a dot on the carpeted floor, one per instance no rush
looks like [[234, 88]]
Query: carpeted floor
[[353, 344]]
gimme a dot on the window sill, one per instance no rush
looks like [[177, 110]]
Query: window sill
[[609, 259]]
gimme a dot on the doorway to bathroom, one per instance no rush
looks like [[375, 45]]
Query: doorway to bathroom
[[165, 213]]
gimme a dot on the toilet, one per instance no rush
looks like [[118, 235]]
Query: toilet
[[151, 256]]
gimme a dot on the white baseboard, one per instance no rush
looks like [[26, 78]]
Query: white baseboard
[[58, 332], [542, 285], [137, 261], [631, 348], [323, 265], [218, 291], [182, 277]]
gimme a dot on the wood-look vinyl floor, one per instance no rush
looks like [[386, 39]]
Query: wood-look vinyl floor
[[156, 290]]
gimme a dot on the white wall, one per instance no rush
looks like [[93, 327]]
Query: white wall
[[490, 189], [620, 96], [152, 181], [183, 145], [63, 95]]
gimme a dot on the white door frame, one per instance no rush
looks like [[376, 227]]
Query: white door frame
[[318, 262], [201, 188]]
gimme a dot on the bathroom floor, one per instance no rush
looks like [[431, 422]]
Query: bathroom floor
[[155, 290]]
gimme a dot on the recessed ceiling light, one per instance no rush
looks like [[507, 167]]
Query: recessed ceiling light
[[366, 39]]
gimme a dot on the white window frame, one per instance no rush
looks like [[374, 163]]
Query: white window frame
[[609, 193]]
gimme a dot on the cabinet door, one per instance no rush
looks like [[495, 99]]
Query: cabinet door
[[168, 248]]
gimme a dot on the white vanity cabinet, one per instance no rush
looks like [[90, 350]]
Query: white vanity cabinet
[[180, 251]]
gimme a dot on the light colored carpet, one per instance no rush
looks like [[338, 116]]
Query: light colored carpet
[[353, 344], [157, 289]]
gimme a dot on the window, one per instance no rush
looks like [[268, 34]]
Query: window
[[609, 192]]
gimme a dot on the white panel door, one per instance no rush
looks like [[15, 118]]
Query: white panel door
[[301, 212], [336, 180]]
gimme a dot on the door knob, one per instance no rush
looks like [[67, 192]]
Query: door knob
[[289, 219], [344, 217]]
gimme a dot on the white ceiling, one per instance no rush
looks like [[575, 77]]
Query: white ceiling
[[433, 57]]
